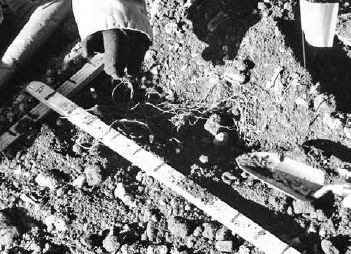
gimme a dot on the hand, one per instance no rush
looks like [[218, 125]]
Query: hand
[[123, 49]]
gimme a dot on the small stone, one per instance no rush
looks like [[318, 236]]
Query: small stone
[[54, 223], [243, 250], [209, 230], [77, 149], [47, 180], [213, 124], [228, 178], [120, 193], [302, 207], [287, 6], [203, 159], [111, 243], [151, 231], [93, 175], [328, 247], [171, 28], [225, 246], [198, 231], [80, 181], [221, 139], [234, 77], [178, 227], [222, 233]]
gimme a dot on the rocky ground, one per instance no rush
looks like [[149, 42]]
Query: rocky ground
[[222, 78]]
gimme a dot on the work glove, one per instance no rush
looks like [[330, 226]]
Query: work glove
[[119, 28]]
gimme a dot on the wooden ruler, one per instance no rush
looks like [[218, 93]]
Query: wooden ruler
[[154, 166], [83, 77]]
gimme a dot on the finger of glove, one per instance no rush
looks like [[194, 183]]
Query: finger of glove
[[116, 52], [139, 44], [91, 44]]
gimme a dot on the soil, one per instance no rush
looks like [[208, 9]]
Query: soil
[[221, 79]]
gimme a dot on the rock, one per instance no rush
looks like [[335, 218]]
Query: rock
[[343, 29], [198, 231], [225, 246], [178, 227], [80, 181], [209, 230], [54, 223], [222, 233], [93, 175], [328, 247], [120, 193], [302, 207], [111, 243], [243, 250], [228, 178], [233, 76], [347, 131], [203, 159], [151, 231], [213, 124], [8, 232], [47, 180], [221, 139]]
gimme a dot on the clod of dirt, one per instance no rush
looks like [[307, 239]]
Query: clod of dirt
[[328, 247], [80, 181], [178, 227], [229, 178], [221, 139], [8, 232], [47, 180], [209, 230], [157, 249], [213, 124], [54, 223], [93, 175], [225, 246], [222, 233], [111, 243]]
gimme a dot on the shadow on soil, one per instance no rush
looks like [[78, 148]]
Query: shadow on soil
[[331, 67], [222, 25], [329, 148]]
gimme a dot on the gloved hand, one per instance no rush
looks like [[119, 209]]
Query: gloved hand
[[119, 28], [123, 49]]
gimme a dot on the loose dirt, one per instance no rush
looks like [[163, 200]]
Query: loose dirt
[[237, 63]]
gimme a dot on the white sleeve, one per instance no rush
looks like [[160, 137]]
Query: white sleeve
[[93, 16]]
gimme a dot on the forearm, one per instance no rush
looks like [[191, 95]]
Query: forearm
[[93, 16]]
